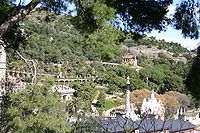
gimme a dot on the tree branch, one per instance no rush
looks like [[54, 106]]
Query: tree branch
[[34, 72], [20, 15]]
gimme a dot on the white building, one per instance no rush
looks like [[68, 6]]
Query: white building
[[153, 106], [192, 116], [66, 92]]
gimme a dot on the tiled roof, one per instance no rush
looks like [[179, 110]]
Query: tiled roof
[[178, 125], [152, 124]]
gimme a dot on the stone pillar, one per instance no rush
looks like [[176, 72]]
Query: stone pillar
[[2, 70], [2, 63], [127, 105], [135, 61]]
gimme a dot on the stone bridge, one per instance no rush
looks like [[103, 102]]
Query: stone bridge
[[23, 74]]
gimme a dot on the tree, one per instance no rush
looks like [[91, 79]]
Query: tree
[[186, 18], [192, 81], [137, 16], [103, 44], [171, 105], [33, 109], [52, 41], [112, 88], [87, 11], [137, 96], [157, 76], [101, 98], [85, 93], [174, 83]]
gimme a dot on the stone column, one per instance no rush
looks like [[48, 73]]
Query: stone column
[[2, 63], [128, 106]]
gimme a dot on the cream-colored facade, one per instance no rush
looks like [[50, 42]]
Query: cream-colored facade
[[66, 92], [2, 63], [131, 60]]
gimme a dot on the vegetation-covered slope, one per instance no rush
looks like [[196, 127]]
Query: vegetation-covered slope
[[54, 40]]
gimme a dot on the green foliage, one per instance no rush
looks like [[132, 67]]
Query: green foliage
[[160, 44], [90, 15], [112, 88], [85, 93], [103, 45], [141, 59], [57, 40], [101, 98], [108, 105], [192, 81], [182, 69], [34, 109], [138, 19], [138, 84], [174, 83], [61, 42], [157, 76], [162, 55], [6, 9], [145, 73], [185, 18], [45, 81], [165, 75]]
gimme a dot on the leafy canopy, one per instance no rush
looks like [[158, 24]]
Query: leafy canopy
[[34, 109], [132, 16]]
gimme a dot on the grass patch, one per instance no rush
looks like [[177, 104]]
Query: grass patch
[[107, 105]]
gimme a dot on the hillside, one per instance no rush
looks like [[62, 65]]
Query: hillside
[[53, 39], [150, 42], [62, 51]]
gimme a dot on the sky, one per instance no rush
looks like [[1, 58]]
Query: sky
[[175, 35], [170, 35]]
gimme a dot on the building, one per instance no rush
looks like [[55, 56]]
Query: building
[[150, 121], [146, 125], [131, 60], [192, 116], [153, 106], [66, 92]]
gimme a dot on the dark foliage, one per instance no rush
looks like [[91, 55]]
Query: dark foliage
[[193, 78], [186, 18], [142, 15]]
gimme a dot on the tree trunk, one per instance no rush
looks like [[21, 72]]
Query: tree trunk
[[20, 15], [34, 70]]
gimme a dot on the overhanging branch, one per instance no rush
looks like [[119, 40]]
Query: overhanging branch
[[34, 72], [20, 15]]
